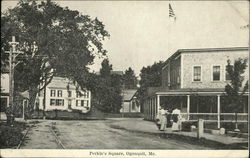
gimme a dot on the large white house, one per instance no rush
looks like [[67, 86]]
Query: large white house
[[62, 94]]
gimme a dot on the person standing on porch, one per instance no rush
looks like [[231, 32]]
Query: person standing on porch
[[176, 116], [163, 119]]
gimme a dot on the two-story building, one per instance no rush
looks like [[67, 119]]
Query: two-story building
[[194, 80], [62, 94]]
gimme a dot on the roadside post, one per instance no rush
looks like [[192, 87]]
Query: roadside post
[[200, 131]]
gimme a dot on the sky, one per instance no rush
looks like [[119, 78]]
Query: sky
[[141, 32]]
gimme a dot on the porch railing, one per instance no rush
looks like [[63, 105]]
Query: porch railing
[[224, 117]]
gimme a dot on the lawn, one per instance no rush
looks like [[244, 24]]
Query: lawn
[[10, 137]]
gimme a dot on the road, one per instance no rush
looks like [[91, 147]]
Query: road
[[98, 134]]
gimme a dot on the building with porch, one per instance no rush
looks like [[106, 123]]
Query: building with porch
[[194, 80]]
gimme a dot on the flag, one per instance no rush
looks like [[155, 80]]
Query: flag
[[171, 12], [245, 27]]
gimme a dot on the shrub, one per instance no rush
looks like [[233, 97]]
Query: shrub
[[11, 136]]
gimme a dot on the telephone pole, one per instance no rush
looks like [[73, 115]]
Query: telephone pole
[[13, 53]]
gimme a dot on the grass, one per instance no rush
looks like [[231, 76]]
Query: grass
[[10, 137]]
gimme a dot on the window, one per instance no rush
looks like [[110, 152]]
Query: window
[[216, 73], [69, 94], [78, 102], [78, 94], [52, 102], [59, 102], [52, 93], [59, 93], [85, 103], [85, 94], [56, 102], [197, 73], [227, 77]]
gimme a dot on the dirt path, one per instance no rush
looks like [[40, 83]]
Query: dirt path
[[40, 137]]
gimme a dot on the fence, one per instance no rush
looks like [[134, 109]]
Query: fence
[[223, 117], [215, 117]]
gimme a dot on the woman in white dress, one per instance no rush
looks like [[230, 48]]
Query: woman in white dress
[[163, 119], [176, 117]]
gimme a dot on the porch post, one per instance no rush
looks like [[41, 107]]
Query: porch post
[[218, 109], [147, 110], [188, 106], [155, 107], [158, 103], [150, 108]]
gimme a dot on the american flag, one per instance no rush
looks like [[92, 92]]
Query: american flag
[[171, 12]]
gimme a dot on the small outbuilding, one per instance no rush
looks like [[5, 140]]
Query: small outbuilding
[[130, 102]]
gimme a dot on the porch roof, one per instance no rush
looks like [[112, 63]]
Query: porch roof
[[187, 91], [182, 92]]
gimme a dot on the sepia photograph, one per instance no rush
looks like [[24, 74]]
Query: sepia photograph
[[124, 78]]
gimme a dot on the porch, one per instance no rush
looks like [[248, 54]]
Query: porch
[[208, 105]]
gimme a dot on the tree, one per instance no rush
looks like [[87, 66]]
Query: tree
[[107, 91], [150, 77], [129, 79], [106, 68], [234, 89], [54, 40]]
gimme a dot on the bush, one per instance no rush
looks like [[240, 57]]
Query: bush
[[11, 136]]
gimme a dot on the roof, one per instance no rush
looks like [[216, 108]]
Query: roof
[[117, 72], [60, 82], [112, 72], [213, 49], [202, 50], [128, 94], [185, 91]]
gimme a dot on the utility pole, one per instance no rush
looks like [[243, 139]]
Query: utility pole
[[123, 88], [13, 53], [44, 97]]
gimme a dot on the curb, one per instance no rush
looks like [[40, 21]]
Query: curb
[[206, 142], [24, 136]]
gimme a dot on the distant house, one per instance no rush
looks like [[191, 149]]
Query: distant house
[[62, 94], [130, 102], [4, 95], [117, 72], [194, 80], [4, 91]]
